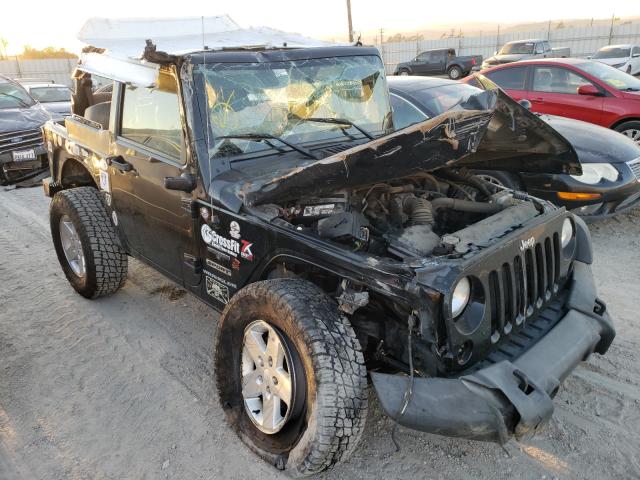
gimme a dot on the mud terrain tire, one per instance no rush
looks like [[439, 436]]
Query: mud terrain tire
[[323, 344], [105, 262]]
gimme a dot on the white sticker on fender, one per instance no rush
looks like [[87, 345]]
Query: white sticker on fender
[[104, 181], [219, 242]]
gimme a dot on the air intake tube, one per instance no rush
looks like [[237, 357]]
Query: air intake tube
[[418, 210]]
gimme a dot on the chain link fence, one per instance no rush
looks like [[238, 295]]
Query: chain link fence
[[59, 70], [583, 41]]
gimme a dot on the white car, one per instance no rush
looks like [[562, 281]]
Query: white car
[[54, 97], [622, 57]]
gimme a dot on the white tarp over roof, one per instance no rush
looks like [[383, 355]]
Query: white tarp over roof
[[186, 34], [125, 39]]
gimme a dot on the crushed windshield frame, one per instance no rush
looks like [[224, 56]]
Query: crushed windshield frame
[[310, 110]]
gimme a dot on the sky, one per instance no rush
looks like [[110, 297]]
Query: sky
[[42, 23]]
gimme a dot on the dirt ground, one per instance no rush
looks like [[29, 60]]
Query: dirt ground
[[122, 387]]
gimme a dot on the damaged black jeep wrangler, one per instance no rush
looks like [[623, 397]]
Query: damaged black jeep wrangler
[[270, 183]]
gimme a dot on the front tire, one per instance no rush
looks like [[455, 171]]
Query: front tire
[[630, 129], [455, 73], [86, 242], [403, 73], [328, 402]]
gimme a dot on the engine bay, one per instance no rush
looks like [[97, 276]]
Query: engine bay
[[448, 212]]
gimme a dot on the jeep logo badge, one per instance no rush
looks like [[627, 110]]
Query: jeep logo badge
[[528, 243]]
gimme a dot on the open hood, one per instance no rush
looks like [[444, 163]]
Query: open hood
[[489, 130]]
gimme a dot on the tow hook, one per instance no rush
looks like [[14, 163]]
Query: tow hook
[[525, 384], [600, 307]]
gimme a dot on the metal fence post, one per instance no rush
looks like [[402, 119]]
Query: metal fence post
[[18, 67], [613, 18]]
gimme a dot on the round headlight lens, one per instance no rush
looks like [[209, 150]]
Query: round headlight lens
[[460, 297], [593, 173], [567, 232]]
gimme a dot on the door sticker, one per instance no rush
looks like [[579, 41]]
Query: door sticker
[[217, 290], [234, 230], [220, 268]]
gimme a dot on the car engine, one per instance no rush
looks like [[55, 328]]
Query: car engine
[[450, 212]]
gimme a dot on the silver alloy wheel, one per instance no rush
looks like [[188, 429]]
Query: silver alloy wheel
[[72, 246], [633, 134], [268, 377], [404, 73], [454, 73]]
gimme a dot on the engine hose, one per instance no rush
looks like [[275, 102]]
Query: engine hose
[[418, 210], [469, 179], [465, 205]]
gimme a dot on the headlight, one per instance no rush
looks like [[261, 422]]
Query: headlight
[[593, 173], [460, 297], [567, 232]]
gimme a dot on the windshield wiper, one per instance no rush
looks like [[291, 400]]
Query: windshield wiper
[[631, 89], [261, 137], [339, 121], [22, 102]]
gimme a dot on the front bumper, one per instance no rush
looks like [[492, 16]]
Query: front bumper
[[615, 197], [7, 163], [510, 397]]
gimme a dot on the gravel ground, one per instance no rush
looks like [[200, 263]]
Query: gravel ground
[[122, 387]]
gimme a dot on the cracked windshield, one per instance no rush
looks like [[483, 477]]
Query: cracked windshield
[[258, 106]]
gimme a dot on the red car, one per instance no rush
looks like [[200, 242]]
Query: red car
[[575, 88]]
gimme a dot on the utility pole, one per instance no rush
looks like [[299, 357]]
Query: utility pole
[[613, 19], [349, 19], [381, 37]]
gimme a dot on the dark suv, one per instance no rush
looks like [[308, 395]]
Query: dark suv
[[269, 183], [21, 119]]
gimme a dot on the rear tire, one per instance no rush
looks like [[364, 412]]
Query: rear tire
[[455, 73], [403, 73], [99, 267], [327, 421], [630, 129]]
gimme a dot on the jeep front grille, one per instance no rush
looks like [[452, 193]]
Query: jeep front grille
[[521, 287], [19, 140]]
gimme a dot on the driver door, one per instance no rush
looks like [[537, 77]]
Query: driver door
[[149, 146], [420, 64]]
